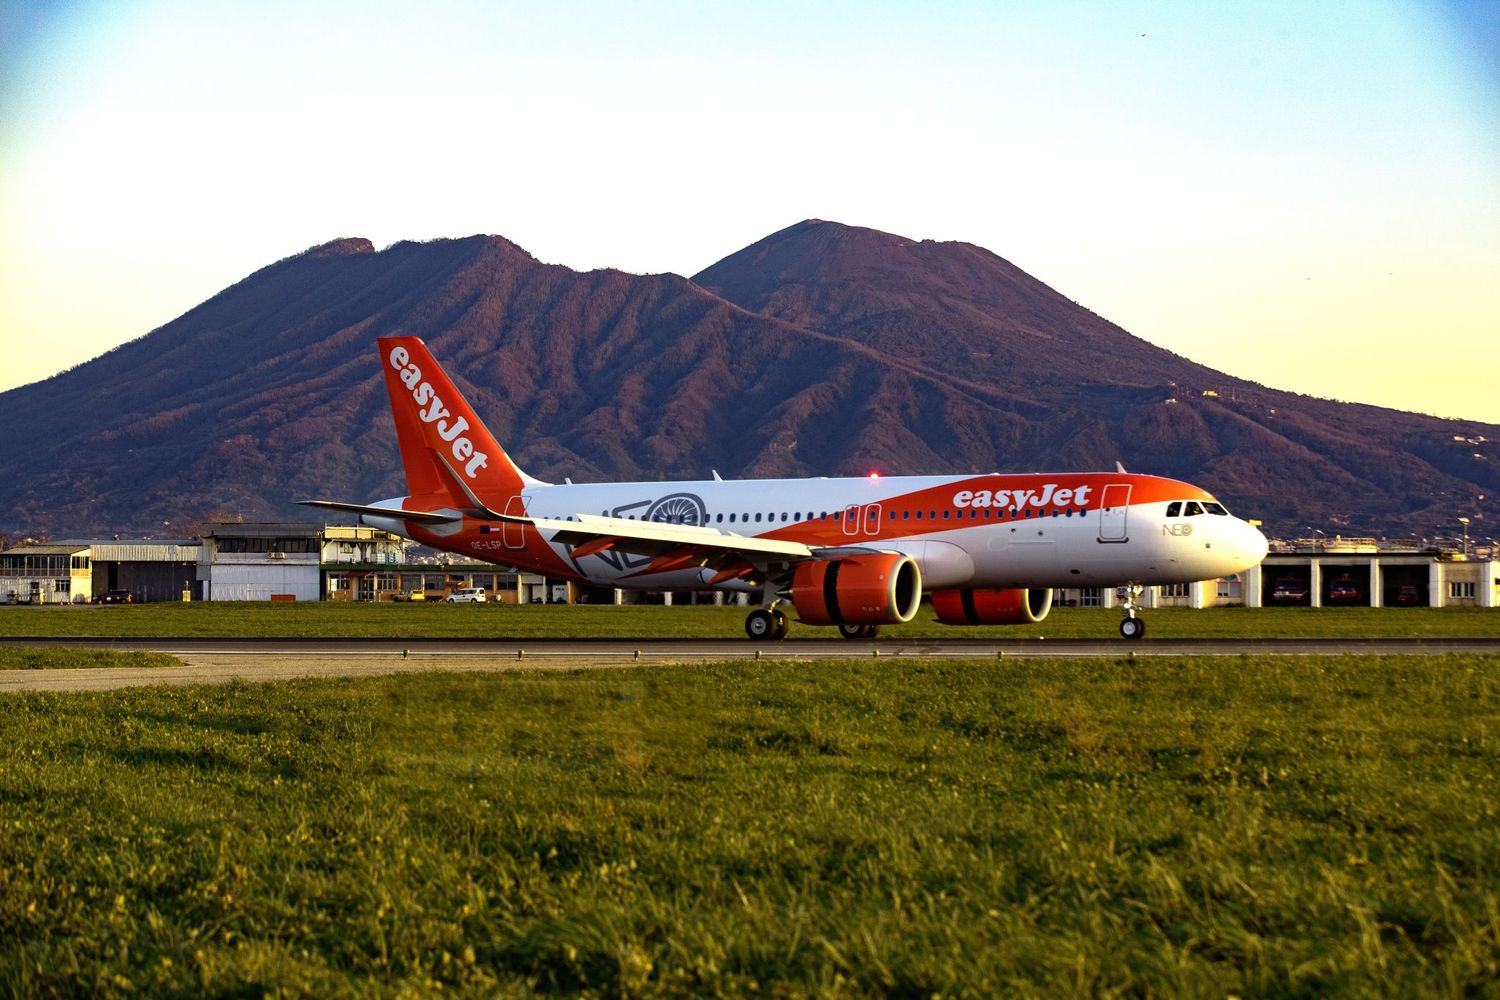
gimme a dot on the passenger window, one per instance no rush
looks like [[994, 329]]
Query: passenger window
[[783, 517], [757, 517], [1174, 508], [1192, 509], [919, 515]]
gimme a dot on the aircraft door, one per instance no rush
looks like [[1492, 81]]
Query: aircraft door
[[872, 518], [1113, 507], [514, 535]]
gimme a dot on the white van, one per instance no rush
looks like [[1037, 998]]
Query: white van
[[466, 595]]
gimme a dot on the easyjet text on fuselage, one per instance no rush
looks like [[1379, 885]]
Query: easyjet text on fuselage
[[1049, 495]]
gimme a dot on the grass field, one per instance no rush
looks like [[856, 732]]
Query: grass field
[[23, 658], [411, 621], [1297, 826]]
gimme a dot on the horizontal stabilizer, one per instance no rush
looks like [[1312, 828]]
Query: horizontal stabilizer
[[420, 516]]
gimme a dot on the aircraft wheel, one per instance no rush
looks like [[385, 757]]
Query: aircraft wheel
[[780, 624], [760, 624], [852, 631], [1132, 628]]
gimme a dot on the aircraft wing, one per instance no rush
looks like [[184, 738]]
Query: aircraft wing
[[642, 536], [671, 546]]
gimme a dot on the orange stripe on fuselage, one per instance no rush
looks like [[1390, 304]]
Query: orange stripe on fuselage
[[535, 555], [938, 500]]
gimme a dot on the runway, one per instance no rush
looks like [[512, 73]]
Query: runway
[[220, 661]]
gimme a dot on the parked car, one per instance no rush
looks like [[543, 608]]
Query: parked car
[[410, 595], [1345, 590], [115, 597], [1289, 591], [1409, 595], [466, 595]]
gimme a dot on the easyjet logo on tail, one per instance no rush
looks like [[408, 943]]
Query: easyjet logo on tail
[[432, 410]]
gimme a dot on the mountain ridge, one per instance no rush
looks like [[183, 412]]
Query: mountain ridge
[[822, 349]]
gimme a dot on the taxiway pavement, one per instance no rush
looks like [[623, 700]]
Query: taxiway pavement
[[221, 661]]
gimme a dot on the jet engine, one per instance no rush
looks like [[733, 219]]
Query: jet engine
[[879, 589], [991, 607]]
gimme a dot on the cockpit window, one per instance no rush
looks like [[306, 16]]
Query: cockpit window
[[1214, 508], [1174, 508], [1192, 509]]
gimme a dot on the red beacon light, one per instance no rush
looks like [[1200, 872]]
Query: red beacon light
[[874, 475]]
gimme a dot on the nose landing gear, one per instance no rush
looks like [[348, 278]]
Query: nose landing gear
[[1131, 627]]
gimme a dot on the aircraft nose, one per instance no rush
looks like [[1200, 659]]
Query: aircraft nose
[[1253, 544]]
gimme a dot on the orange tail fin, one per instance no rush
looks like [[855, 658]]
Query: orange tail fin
[[445, 447]]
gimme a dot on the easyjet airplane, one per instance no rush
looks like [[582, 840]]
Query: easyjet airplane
[[853, 553]]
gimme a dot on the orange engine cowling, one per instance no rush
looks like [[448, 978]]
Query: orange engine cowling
[[883, 589], [991, 607]]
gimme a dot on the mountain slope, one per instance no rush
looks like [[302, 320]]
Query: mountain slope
[[822, 350], [1104, 392]]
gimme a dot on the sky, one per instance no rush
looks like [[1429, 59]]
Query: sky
[[1302, 194]]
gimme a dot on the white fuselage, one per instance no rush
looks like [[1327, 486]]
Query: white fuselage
[[1036, 530]]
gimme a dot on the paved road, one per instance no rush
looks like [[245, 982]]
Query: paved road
[[211, 661]]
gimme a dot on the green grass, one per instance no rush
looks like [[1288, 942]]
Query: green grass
[[32, 658], [1296, 826], [410, 621]]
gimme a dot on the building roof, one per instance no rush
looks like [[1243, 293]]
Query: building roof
[[49, 549], [265, 529]]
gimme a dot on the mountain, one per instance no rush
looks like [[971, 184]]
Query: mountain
[[823, 349]]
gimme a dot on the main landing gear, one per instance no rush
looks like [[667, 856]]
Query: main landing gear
[[1131, 627], [771, 623], [767, 623]]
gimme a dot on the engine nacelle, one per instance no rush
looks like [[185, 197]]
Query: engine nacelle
[[992, 607], [881, 589]]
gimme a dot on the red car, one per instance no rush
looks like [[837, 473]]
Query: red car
[[1345, 591]]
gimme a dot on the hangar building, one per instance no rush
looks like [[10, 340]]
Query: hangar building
[[79, 571]]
